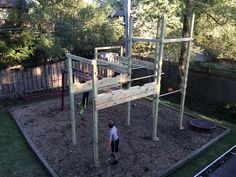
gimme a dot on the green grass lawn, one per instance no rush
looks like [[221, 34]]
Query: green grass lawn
[[214, 113], [16, 157], [17, 160], [210, 154]]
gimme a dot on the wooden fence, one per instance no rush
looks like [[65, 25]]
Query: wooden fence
[[219, 85], [19, 82], [209, 84]]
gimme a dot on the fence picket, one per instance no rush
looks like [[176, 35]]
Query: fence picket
[[1, 83]]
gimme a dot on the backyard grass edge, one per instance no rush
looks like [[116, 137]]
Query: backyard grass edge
[[33, 147], [198, 151], [222, 155], [177, 165]]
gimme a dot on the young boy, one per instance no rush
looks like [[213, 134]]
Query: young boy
[[113, 142]]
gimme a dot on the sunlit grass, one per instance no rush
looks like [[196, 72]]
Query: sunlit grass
[[16, 158]]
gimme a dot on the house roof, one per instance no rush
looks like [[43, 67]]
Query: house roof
[[11, 3]]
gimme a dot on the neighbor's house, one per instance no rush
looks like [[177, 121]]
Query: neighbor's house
[[5, 8], [7, 5]]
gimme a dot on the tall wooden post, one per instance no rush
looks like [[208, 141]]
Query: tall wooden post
[[127, 22], [121, 51], [158, 70], [156, 61], [72, 102], [186, 76], [95, 54], [130, 63], [95, 114]]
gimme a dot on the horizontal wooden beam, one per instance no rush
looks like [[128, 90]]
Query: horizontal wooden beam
[[107, 48], [105, 100], [177, 40], [78, 58], [105, 82], [169, 93], [139, 39], [166, 40]]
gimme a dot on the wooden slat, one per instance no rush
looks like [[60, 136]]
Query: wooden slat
[[34, 79], [53, 74], [49, 76], [20, 85], [24, 80], [149, 65], [15, 83], [9, 83], [44, 78], [31, 79], [1, 83], [39, 74], [60, 68], [27, 81], [58, 74], [103, 83], [113, 66], [121, 96]]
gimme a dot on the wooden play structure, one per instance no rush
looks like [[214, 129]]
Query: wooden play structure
[[124, 66]]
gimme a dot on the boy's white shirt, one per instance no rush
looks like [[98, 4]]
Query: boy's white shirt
[[113, 134]]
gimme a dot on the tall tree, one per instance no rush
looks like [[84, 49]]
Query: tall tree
[[185, 33]]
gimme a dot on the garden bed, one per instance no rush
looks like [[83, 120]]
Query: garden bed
[[49, 132]]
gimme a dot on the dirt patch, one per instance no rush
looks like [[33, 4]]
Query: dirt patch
[[50, 131]]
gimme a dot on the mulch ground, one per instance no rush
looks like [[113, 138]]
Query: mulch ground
[[50, 131]]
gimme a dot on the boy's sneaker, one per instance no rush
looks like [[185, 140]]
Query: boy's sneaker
[[81, 111], [78, 105]]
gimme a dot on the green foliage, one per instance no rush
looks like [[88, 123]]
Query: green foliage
[[214, 31], [229, 65], [37, 33], [215, 27], [147, 16], [44, 32]]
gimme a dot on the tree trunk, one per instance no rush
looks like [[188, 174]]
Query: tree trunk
[[185, 33]]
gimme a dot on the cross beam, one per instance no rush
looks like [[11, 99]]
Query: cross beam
[[106, 100], [105, 82]]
